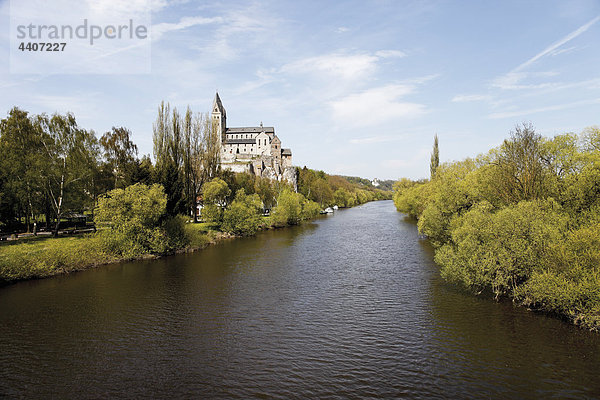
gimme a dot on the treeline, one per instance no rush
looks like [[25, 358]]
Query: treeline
[[50, 166], [522, 221], [330, 190], [242, 203]]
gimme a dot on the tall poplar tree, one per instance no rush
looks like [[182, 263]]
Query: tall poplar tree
[[435, 158]]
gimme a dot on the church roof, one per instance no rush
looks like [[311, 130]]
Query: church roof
[[251, 129], [286, 152], [217, 104], [240, 141]]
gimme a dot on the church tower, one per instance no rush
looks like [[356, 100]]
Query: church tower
[[219, 118]]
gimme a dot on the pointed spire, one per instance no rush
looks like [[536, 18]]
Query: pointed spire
[[218, 105]]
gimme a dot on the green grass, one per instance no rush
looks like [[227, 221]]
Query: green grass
[[42, 257], [204, 227]]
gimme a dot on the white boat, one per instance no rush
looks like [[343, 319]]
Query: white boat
[[329, 210], [335, 207]]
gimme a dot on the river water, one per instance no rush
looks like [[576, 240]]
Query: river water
[[348, 306]]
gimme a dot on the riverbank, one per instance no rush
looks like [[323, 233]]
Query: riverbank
[[43, 257], [534, 239]]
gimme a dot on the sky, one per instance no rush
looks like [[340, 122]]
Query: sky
[[355, 88]]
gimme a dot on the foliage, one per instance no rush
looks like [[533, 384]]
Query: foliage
[[435, 158], [501, 250], [243, 215], [521, 221], [288, 210], [343, 191], [215, 194], [50, 256], [120, 153], [310, 209], [130, 220]]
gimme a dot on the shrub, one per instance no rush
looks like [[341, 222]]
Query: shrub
[[501, 250], [310, 209], [243, 215], [130, 220], [288, 210]]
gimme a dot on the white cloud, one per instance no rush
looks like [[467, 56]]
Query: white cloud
[[512, 79], [375, 106], [341, 65], [123, 7], [554, 46], [563, 51], [512, 114], [390, 53], [342, 29], [463, 98], [186, 22], [376, 139]]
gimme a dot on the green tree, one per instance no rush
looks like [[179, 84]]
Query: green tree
[[215, 194], [341, 197], [70, 161], [288, 210], [129, 220], [321, 192], [120, 153], [243, 215], [265, 190], [500, 251], [168, 153], [521, 172], [435, 158], [22, 161]]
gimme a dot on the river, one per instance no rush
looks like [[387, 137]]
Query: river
[[348, 306]]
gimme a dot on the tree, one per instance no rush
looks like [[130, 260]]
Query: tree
[[212, 149], [21, 159], [242, 217], [321, 192], [130, 220], [435, 158], [168, 153], [142, 171], [520, 167], [120, 152], [188, 162], [341, 197], [265, 190], [215, 194], [288, 210], [591, 139], [70, 162]]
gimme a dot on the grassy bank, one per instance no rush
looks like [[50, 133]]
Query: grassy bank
[[43, 257]]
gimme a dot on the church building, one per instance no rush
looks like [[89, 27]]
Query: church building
[[253, 149]]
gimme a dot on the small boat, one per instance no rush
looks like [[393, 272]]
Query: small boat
[[328, 210], [335, 207]]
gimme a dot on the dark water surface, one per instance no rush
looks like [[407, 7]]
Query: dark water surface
[[349, 306]]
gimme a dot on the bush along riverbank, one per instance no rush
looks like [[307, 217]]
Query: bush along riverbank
[[522, 221], [134, 223]]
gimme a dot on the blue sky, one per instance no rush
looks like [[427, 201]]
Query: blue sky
[[353, 87]]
